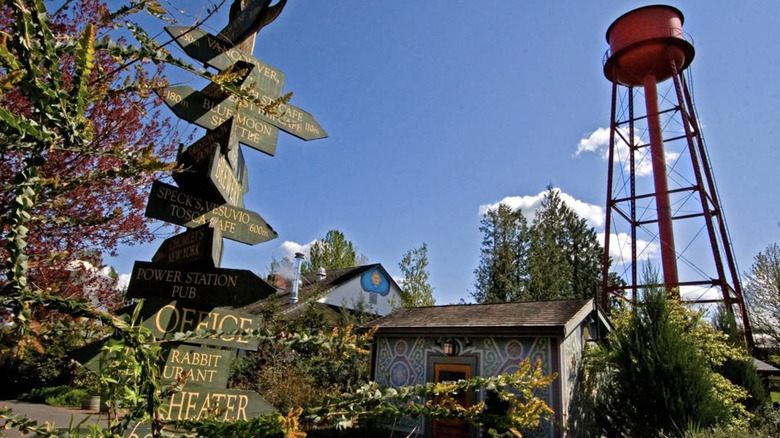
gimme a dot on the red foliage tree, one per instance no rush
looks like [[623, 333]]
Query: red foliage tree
[[92, 197]]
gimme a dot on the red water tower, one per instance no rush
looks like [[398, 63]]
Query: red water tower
[[661, 195]]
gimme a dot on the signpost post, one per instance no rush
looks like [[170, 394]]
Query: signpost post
[[186, 291]]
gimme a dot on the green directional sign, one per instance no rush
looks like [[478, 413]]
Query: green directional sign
[[232, 404], [172, 204], [201, 246], [202, 367], [220, 54], [222, 137], [194, 106], [286, 117], [214, 177], [215, 286], [201, 404], [165, 318]]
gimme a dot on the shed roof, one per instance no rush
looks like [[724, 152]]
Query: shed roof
[[554, 317]]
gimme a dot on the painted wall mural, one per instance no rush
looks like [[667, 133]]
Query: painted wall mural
[[402, 361]]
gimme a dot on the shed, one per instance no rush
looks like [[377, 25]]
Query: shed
[[429, 344]]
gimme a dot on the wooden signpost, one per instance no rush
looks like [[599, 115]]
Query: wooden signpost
[[219, 54], [165, 318], [174, 205], [215, 286], [184, 287], [213, 177], [209, 367], [194, 106], [197, 247], [222, 137]]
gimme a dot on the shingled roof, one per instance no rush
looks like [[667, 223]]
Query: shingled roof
[[550, 317], [311, 289]]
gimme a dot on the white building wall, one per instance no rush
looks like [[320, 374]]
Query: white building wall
[[349, 294]]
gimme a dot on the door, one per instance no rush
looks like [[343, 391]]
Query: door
[[452, 372]]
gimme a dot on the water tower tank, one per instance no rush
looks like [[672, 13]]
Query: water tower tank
[[642, 42]]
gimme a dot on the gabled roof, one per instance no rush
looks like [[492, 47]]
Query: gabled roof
[[544, 317], [311, 289]]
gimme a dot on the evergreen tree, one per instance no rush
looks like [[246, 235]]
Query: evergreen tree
[[414, 267], [334, 251], [502, 266], [661, 372], [557, 256], [565, 258]]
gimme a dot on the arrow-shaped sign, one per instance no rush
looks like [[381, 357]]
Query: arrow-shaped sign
[[172, 204], [165, 318], [219, 54], [201, 246], [200, 152], [193, 106], [286, 117], [214, 286], [213, 176]]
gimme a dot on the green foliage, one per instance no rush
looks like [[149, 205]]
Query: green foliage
[[56, 396], [334, 251], [659, 374], [557, 257], [292, 375], [414, 268], [502, 270], [47, 367], [767, 425], [741, 370]]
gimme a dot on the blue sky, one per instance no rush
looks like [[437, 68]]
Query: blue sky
[[436, 109]]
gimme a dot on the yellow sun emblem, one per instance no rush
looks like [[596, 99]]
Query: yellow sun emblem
[[376, 279]]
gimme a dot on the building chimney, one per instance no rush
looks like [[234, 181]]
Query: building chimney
[[297, 278], [321, 274]]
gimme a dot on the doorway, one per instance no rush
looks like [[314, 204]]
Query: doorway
[[451, 372]]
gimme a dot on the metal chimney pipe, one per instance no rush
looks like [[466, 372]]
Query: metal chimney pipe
[[297, 278]]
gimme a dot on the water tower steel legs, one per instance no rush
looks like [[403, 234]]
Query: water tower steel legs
[[726, 277]]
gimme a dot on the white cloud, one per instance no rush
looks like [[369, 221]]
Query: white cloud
[[123, 281], [598, 141], [593, 214], [289, 248], [620, 248]]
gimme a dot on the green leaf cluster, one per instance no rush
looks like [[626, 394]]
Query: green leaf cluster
[[556, 256], [659, 373]]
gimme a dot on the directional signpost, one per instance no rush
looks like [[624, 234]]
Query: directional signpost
[[186, 291], [194, 106], [165, 318], [172, 204], [215, 286], [208, 171], [219, 54], [201, 246]]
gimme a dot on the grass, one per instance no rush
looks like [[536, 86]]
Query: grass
[[775, 397]]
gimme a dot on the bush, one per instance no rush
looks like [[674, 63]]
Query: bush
[[56, 396], [659, 375]]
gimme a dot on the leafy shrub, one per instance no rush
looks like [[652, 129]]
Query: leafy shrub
[[56, 396], [660, 373], [767, 425]]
